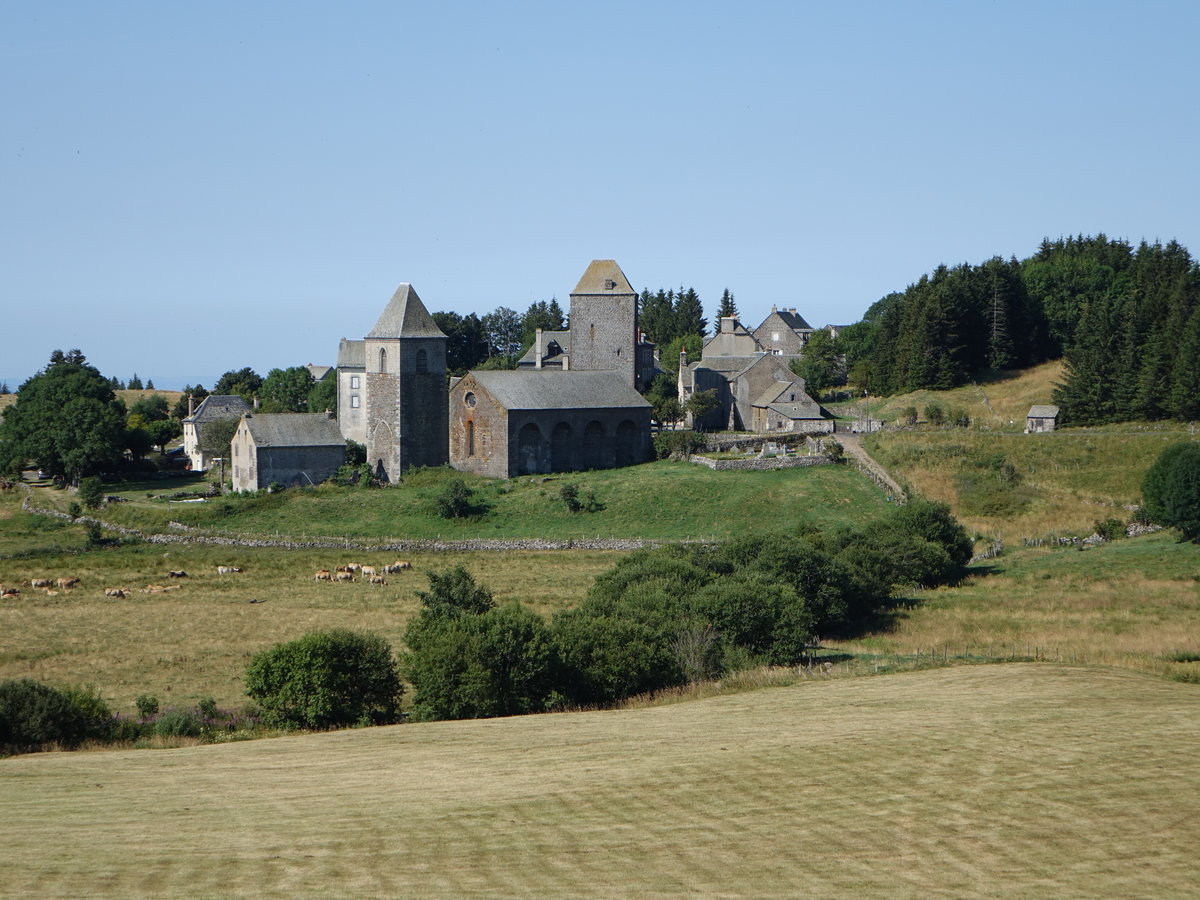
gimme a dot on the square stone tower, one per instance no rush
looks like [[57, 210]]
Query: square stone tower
[[604, 322], [407, 417]]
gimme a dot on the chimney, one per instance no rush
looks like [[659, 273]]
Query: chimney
[[727, 323], [682, 360], [773, 309], [256, 401], [537, 349], [191, 405]]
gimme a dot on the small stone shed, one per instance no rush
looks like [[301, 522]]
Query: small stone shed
[[292, 449], [1041, 419], [524, 422]]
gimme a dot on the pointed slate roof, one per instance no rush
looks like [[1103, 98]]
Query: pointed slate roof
[[603, 276], [405, 316], [215, 407]]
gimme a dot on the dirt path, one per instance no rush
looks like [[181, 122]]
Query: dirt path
[[854, 448]]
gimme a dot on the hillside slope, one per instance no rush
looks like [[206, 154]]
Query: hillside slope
[[1017, 780]]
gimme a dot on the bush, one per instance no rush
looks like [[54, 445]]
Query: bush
[[91, 492], [35, 715], [677, 444], [147, 706], [910, 415], [577, 503], [1171, 489], [1110, 529], [74, 510], [179, 723], [326, 680], [935, 414], [457, 501], [92, 536]]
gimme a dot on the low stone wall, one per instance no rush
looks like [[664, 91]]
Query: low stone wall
[[427, 545], [760, 463]]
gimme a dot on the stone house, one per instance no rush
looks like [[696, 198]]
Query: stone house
[[1041, 419], [291, 449], [213, 408], [351, 390], [522, 422], [755, 388], [783, 333]]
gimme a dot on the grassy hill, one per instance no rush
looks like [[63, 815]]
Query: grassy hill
[[1002, 483], [1017, 780], [663, 500]]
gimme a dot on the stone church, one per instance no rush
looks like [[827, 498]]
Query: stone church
[[571, 404]]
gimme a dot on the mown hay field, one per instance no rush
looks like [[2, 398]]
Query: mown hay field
[[1008, 780]]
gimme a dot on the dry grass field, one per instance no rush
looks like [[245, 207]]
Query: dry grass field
[[1017, 780], [196, 639]]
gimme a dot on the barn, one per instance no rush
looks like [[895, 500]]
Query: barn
[[291, 449]]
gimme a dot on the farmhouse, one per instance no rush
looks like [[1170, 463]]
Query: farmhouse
[[754, 387], [214, 408], [507, 423], [291, 449]]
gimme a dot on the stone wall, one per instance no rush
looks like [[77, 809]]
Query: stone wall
[[761, 464]]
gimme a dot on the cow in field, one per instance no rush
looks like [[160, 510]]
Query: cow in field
[[116, 593], [345, 576], [70, 582], [398, 566], [367, 571], [177, 574], [41, 582], [9, 592], [228, 570], [323, 575], [378, 579]]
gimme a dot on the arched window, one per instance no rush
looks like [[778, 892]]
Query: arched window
[[470, 438], [382, 360], [422, 361]]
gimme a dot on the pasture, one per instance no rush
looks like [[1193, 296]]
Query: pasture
[[1014, 780]]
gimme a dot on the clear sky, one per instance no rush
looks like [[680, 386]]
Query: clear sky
[[195, 187]]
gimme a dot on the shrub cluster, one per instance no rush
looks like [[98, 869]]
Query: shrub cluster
[[663, 617], [1171, 489], [34, 716], [677, 444]]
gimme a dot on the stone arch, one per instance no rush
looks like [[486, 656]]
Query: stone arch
[[533, 450], [597, 449], [562, 448], [626, 443]]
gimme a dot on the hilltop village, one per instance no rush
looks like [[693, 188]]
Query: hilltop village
[[574, 401]]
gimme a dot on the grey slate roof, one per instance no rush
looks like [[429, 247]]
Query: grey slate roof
[[215, 407], [318, 372], [555, 389], [352, 354], [797, 410], [794, 320], [599, 275], [729, 363], [294, 430], [405, 316], [1042, 412]]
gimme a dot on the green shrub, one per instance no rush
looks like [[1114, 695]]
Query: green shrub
[[1110, 529], [677, 444], [35, 715], [93, 537], [147, 706], [579, 503], [935, 414], [910, 415], [327, 679], [179, 723], [457, 501], [74, 510], [1171, 489], [91, 492]]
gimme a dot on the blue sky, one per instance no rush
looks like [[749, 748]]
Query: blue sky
[[192, 188]]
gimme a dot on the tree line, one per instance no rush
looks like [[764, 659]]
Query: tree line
[[1126, 320]]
